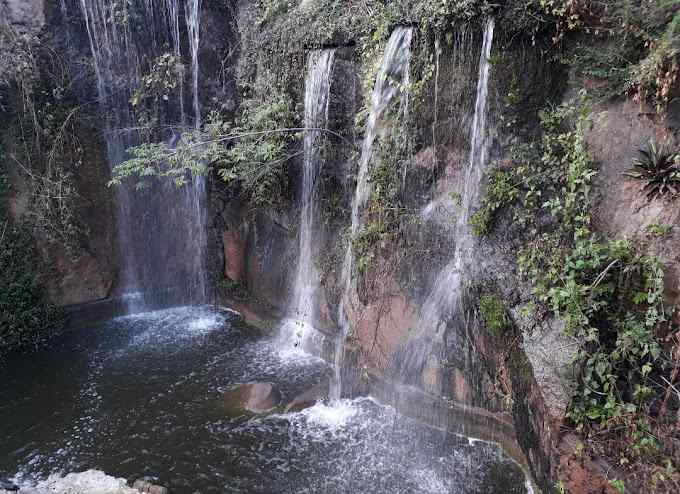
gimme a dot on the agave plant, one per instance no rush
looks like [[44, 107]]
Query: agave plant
[[659, 166]]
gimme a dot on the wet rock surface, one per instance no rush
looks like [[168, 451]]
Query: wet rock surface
[[252, 398], [308, 398]]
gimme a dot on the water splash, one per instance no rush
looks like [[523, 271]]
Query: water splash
[[331, 417], [392, 78], [442, 301], [317, 89]]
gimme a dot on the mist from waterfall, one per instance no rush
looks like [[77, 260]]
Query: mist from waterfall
[[444, 296], [392, 80], [161, 230], [295, 331]]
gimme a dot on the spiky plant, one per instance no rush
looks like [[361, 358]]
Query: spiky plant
[[658, 166]]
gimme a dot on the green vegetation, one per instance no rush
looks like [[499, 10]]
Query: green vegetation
[[618, 485], [500, 191], [626, 47], [608, 293], [251, 153], [41, 119], [494, 314], [658, 165], [659, 230], [155, 89], [27, 320]]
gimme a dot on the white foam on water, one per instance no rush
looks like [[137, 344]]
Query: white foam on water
[[88, 482], [333, 416], [169, 325], [205, 323]]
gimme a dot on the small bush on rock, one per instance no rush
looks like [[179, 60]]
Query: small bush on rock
[[658, 165], [494, 314], [27, 319]]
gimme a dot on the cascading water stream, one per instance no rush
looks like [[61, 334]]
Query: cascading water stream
[[442, 301], [192, 13], [162, 230], [195, 192], [172, 10], [393, 76], [317, 90]]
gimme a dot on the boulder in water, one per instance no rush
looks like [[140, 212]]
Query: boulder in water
[[309, 398], [252, 398]]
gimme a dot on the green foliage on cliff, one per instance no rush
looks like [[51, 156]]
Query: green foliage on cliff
[[252, 153], [27, 319], [40, 118], [625, 47], [493, 312], [608, 293], [658, 166]]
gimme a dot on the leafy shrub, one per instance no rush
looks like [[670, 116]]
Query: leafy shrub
[[608, 293], [658, 166], [494, 314], [500, 192], [251, 153], [27, 320]]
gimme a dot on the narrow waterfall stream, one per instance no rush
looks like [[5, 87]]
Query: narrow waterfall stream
[[393, 76], [295, 331], [195, 192], [441, 302], [172, 12], [162, 230]]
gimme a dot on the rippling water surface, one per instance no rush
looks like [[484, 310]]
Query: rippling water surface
[[143, 396]]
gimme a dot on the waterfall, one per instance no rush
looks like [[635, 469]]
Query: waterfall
[[317, 90], [393, 76], [172, 10], [192, 12], [195, 192], [442, 301], [161, 230]]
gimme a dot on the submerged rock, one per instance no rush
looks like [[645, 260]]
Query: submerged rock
[[252, 398]]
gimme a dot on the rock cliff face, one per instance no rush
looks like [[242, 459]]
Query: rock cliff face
[[527, 376], [531, 378]]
